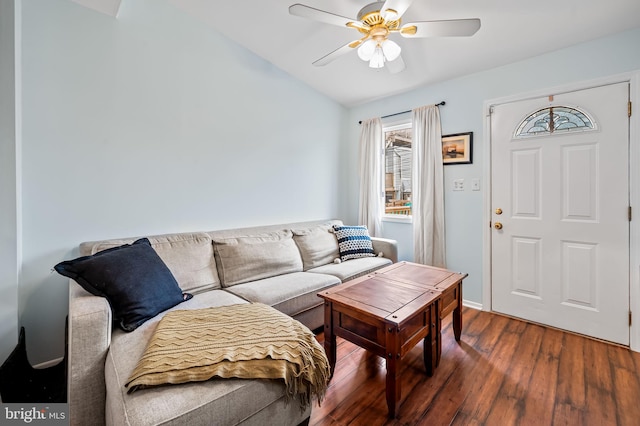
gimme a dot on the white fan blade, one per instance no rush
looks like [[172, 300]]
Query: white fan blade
[[395, 66], [326, 17], [399, 6], [452, 28], [335, 54]]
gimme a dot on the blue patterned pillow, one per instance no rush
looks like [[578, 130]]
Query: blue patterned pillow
[[353, 242]]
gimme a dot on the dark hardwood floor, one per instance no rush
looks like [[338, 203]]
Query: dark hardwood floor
[[502, 372]]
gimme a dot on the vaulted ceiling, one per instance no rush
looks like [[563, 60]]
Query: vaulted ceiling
[[511, 30]]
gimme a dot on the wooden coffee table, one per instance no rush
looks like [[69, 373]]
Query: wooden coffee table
[[388, 312], [447, 283]]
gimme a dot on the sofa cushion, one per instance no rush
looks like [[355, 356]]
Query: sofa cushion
[[291, 293], [132, 277], [216, 401], [354, 242], [250, 258], [318, 246], [188, 256], [353, 268]]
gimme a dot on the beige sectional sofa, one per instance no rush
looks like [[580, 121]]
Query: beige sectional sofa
[[283, 266]]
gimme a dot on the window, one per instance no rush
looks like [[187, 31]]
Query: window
[[397, 169], [554, 119]]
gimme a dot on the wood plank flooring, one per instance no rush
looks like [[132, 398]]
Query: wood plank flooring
[[502, 372]]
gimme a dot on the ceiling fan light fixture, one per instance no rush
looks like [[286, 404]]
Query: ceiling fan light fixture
[[366, 49], [376, 22], [377, 60], [391, 50]]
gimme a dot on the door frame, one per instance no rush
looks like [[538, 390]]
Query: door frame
[[633, 78]]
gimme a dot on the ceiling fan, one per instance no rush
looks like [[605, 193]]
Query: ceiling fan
[[376, 22]]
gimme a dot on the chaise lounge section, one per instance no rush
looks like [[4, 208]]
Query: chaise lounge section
[[283, 266]]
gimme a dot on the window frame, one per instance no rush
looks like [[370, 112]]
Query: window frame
[[387, 127]]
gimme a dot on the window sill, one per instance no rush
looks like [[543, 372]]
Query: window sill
[[397, 218]]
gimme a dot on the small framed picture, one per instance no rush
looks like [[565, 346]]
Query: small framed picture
[[456, 149]]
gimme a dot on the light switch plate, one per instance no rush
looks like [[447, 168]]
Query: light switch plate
[[475, 184]]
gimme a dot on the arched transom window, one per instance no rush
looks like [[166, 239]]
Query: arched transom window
[[554, 119]]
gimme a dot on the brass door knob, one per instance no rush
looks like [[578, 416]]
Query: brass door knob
[[497, 225], [498, 211]]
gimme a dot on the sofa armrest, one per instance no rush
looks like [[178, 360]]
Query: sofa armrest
[[388, 247], [89, 340]]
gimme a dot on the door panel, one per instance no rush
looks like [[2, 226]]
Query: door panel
[[579, 275], [579, 180], [526, 266], [525, 191], [562, 255]]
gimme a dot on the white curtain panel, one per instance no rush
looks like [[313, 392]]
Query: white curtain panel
[[371, 195], [427, 198]]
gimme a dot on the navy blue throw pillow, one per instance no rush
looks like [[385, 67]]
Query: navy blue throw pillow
[[132, 277]]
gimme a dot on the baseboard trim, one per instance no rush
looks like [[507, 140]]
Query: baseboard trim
[[472, 305]]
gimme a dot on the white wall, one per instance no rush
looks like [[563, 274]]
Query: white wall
[[154, 123], [463, 112], [9, 179]]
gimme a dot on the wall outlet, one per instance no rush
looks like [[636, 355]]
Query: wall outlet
[[458, 185], [475, 184]]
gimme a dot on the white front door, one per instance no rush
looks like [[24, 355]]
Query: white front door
[[561, 257]]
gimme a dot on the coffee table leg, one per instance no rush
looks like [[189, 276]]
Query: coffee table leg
[[431, 343], [394, 363], [457, 315], [457, 323], [329, 337]]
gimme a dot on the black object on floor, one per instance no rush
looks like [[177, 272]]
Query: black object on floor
[[20, 382]]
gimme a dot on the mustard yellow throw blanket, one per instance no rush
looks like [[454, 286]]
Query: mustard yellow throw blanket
[[248, 341]]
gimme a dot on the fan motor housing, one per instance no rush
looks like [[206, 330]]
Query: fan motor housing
[[370, 15]]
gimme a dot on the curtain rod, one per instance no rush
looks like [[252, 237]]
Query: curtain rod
[[404, 112]]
